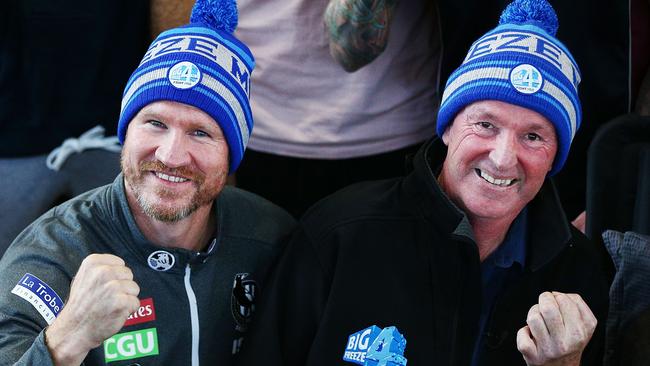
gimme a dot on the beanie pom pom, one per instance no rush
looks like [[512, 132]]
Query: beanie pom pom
[[216, 14], [536, 12]]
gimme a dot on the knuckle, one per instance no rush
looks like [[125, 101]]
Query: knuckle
[[576, 297], [112, 286], [534, 318], [103, 272], [560, 297], [92, 257], [546, 295], [546, 309], [135, 304], [119, 260], [526, 347], [588, 333], [136, 288], [128, 273]]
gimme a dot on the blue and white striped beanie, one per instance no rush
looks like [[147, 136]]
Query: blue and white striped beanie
[[200, 64], [522, 63]]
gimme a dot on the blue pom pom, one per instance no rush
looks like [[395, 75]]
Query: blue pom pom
[[216, 14], [536, 12]]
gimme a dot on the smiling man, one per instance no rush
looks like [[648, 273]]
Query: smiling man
[[468, 260], [163, 266]]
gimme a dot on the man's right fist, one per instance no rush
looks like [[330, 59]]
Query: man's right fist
[[102, 295]]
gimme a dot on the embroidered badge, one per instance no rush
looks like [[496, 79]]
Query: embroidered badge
[[42, 297], [526, 79], [374, 346], [161, 260], [146, 313], [242, 301]]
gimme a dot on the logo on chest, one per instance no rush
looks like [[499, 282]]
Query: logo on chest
[[135, 344], [161, 260], [130, 345], [242, 302], [374, 346], [145, 313]]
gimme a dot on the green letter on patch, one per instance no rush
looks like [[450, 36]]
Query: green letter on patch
[[136, 344]]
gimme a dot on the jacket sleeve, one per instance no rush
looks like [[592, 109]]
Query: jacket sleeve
[[290, 308], [22, 328], [599, 282], [37, 354], [34, 282]]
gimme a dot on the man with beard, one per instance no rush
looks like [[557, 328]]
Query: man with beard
[[164, 264], [468, 260]]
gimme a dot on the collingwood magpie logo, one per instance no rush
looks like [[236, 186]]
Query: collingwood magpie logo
[[161, 260], [242, 303]]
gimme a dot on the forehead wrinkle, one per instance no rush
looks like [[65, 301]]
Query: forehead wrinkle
[[540, 126], [479, 112], [487, 113]]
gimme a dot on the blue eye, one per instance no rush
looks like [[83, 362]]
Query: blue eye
[[157, 123], [200, 133]]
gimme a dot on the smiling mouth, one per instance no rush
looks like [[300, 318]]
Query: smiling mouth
[[170, 178], [494, 181]]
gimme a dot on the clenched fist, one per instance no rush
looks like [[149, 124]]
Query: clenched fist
[[102, 295], [559, 328]]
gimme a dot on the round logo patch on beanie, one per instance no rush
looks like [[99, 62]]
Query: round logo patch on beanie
[[526, 79], [184, 75]]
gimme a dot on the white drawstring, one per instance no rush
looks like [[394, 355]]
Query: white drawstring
[[92, 139]]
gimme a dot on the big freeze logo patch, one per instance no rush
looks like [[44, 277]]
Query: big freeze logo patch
[[374, 346]]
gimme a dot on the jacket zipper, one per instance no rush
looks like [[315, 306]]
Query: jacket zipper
[[194, 316]]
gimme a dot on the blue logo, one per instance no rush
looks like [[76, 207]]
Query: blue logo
[[526, 79], [184, 75], [374, 346], [40, 295]]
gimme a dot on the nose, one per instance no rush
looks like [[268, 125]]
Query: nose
[[173, 150], [504, 152]]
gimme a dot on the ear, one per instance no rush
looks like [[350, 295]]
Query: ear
[[445, 135]]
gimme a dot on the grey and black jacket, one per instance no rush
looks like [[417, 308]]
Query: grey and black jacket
[[195, 307]]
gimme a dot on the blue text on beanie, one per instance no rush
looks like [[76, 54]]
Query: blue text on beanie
[[200, 64], [522, 63]]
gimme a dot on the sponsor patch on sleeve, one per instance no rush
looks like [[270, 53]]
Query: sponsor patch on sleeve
[[374, 346], [42, 297]]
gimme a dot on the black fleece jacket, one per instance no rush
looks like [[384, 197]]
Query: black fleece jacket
[[400, 253]]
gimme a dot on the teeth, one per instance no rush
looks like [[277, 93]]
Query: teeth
[[496, 182], [171, 178]]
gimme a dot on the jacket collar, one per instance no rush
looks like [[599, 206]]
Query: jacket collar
[[130, 242], [548, 229]]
